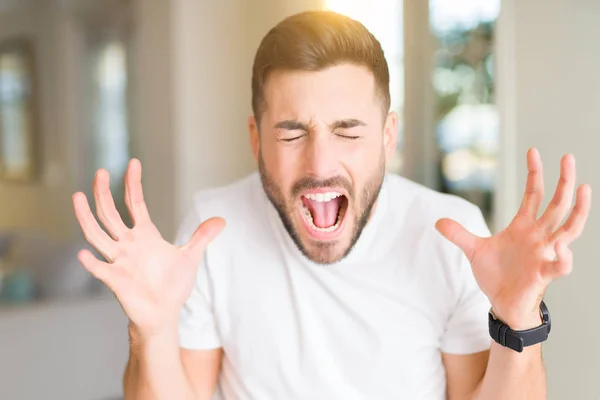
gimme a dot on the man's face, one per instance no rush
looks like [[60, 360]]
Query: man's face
[[321, 152]]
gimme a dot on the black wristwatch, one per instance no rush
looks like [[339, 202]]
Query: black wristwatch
[[517, 340]]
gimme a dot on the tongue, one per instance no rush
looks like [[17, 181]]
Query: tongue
[[324, 213]]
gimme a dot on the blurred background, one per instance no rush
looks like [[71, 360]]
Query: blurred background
[[90, 83]]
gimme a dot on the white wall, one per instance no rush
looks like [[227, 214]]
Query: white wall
[[211, 95], [154, 135], [68, 351], [552, 102]]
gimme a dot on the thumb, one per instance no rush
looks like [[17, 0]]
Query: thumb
[[457, 234], [203, 235]]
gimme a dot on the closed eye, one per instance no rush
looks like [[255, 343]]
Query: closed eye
[[349, 137], [343, 126], [292, 139]]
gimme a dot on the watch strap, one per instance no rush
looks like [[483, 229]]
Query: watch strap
[[518, 340]]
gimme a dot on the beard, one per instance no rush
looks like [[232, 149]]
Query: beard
[[325, 252]]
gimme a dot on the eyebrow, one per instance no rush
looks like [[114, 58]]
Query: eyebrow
[[293, 125], [348, 123]]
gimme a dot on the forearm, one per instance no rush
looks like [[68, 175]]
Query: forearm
[[512, 375], [155, 370]]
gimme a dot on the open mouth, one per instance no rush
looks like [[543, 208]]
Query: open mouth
[[324, 212]]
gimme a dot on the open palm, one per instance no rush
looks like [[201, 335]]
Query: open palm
[[150, 277], [514, 267]]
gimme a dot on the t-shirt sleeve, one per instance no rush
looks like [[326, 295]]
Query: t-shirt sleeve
[[197, 326], [467, 329]]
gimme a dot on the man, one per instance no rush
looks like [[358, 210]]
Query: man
[[331, 280]]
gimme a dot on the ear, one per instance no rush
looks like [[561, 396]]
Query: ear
[[254, 136], [390, 134]]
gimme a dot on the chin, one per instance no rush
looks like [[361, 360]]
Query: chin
[[327, 255]]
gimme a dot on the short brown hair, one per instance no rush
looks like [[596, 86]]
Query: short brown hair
[[313, 41]]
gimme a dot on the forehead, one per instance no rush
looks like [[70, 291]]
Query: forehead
[[341, 91]]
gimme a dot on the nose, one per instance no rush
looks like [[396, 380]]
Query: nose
[[321, 160]]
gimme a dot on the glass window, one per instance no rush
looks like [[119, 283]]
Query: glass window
[[17, 149], [109, 138], [466, 118]]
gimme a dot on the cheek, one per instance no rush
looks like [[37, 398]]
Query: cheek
[[363, 162], [361, 157], [283, 165]]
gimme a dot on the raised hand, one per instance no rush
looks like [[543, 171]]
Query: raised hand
[[514, 267], [150, 277]]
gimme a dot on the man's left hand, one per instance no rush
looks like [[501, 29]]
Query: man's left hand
[[515, 266]]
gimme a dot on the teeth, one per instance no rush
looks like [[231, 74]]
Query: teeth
[[309, 218], [322, 197]]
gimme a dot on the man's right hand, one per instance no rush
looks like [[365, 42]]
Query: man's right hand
[[150, 277]]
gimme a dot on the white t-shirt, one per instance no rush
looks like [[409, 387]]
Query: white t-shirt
[[370, 327]]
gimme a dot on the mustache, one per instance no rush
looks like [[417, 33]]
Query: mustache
[[308, 183]]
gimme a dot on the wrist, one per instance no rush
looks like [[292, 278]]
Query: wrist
[[140, 337], [520, 321]]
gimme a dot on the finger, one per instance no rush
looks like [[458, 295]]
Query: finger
[[101, 270], [134, 196], [105, 206], [574, 225], [561, 266], [91, 230], [563, 196], [457, 234], [203, 235], [534, 188]]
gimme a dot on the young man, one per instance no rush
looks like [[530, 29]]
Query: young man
[[330, 280]]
